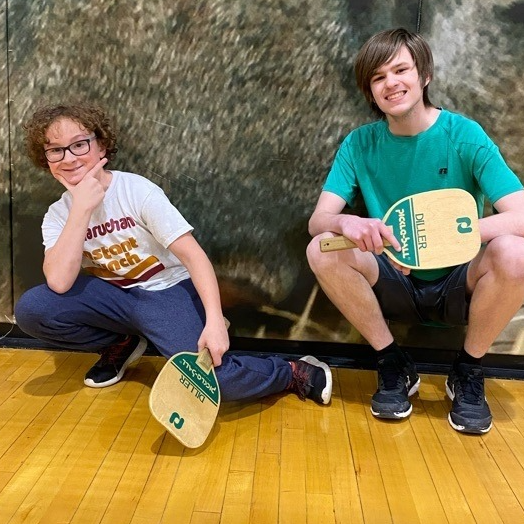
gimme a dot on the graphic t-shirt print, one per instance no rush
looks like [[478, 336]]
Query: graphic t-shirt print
[[119, 263]]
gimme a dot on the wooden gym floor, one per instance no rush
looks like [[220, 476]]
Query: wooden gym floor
[[71, 454]]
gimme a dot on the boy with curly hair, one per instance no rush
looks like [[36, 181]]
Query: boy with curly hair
[[122, 267]]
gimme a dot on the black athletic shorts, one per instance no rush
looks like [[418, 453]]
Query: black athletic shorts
[[412, 300]]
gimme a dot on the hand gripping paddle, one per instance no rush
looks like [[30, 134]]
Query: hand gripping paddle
[[185, 397], [435, 229]]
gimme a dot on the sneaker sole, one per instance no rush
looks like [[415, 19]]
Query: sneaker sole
[[137, 353], [395, 415], [460, 427], [326, 392], [465, 429]]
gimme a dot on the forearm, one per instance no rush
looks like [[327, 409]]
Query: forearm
[[322, 221], [508, 223], [63, 261], [509, 219], [202, 275], [205, 281]]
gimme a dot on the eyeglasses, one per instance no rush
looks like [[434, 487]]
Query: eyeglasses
[[79, 148]]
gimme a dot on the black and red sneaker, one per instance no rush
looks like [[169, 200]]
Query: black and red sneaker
[[312, 379], [114, 360]]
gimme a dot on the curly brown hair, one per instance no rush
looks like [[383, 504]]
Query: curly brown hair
[[91, 117]]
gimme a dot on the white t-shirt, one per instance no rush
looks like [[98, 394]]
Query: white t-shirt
[[128, 234]]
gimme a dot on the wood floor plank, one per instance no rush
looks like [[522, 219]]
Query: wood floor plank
[[507, 397], [446, 484], [265, 501], [180, 504], [7, 389], [244, 454], [14, 369], [320, 508], [5, 477], [7, 355], [292, 408], [201, 517], [237, 498], [293, 471], [453, 444], [270, 431], [318, 478], [507, 450], [371, 489], [153, 499], [340, 462], [201, 478], [389, 439], [210, 489], [43, 383]]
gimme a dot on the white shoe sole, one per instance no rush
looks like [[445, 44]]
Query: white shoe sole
[[326, 392]]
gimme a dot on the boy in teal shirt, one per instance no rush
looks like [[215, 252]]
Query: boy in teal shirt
[[417, 147]]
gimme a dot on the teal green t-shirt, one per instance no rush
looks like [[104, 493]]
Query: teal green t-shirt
[[455, 152]]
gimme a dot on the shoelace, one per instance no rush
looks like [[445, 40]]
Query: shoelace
[[392, 374], [472, 390], [111, 353], [299, 383]]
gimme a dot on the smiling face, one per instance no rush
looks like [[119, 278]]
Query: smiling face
[[64, 132], [397, 87]]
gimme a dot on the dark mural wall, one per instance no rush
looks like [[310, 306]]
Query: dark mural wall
[[236, 110], [6, 269]]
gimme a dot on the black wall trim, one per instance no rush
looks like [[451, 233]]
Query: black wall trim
[[354, 356]]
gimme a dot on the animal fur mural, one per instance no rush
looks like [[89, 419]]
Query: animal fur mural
[[236, 110]]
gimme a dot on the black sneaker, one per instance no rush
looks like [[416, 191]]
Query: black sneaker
[[397, 381], [114, 361], [312, 379], [470, 412]]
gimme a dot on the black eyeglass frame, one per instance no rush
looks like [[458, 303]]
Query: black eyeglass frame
[[68, 148]]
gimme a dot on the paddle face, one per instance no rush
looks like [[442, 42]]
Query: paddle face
[[435, 229], [185, 397]]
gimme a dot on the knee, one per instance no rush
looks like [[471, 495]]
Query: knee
[[30, 309], [319, 262], [506, 257], [23, 306]]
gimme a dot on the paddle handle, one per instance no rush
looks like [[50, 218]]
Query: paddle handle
[[204, 359], [338, 243]]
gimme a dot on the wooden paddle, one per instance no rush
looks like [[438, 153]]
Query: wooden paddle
[[435, 229], [185, 397]]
